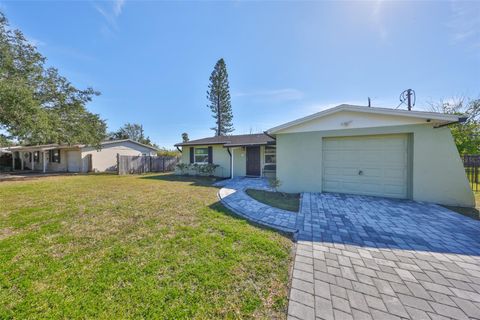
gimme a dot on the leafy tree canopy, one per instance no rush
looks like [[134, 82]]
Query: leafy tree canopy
[[185, 137], [133, 131], [37, 104], [164, 152], [466, 134], [218, 95]]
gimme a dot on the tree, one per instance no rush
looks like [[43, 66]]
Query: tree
[[164, 152], [132, 131], [37, 104], [185, 137], [218, 95], [465, 134]]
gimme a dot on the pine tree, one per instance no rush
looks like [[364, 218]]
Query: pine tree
[[218, 95]]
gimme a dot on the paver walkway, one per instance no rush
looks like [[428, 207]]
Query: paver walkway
[[232, 194], [361, 257]]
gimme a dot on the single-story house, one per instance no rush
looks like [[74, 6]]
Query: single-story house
[[5, 159], [352, 149], [76, 158], [230, 153]]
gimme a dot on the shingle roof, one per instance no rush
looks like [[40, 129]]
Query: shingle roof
[[231, 141], [66, 146]]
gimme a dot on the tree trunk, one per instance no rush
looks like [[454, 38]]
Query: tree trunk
[[219, 115]]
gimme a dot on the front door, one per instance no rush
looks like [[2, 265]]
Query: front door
[[253, 161]]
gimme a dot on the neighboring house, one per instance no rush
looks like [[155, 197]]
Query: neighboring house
[[5, 160], [76, 158], [362, 150]]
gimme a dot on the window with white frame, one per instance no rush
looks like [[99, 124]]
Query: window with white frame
[[270, 154], [201, 155]]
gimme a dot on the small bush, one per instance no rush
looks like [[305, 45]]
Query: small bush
[[274, 184], [183, 167], [208, 169]]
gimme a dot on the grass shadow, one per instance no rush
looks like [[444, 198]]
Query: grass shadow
[[473, 213], [219, 207], [193, 180]]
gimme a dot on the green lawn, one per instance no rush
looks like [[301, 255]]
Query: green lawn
[[154, 246], [285, 201]]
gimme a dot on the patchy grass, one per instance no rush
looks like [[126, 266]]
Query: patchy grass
[[285, 201], [473, 213], [152, 246]]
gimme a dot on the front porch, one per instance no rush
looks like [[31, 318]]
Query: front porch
[[45, 159], [253, 161]]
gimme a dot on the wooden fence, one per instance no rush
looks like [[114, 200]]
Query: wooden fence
[[145, 164]]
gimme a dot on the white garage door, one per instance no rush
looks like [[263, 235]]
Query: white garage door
[[368, 165]]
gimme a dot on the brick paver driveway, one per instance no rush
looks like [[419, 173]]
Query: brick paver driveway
[[363, 257]]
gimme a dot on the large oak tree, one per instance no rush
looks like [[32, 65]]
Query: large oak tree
[[37, 104]]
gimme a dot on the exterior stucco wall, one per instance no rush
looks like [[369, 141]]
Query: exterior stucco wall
[[220, 156], [105, 159], [351, 119], [437, 174]]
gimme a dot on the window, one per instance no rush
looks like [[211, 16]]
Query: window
[[270, 154], [54, 155], [36, 156], [201, 155]]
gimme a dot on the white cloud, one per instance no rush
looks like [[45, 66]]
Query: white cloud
[[377, 17], [110, 11], [286, 94], [465, 23], [117, 7]]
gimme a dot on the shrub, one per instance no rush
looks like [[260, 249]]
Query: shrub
[[274, 184], [208, 169], [183, 167]]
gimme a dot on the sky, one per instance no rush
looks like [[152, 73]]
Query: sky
[[152, 60]]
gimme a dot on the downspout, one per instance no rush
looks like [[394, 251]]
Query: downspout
[[179, 150], [231, 162]]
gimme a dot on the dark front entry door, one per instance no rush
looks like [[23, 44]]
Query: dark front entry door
[[253, 161]]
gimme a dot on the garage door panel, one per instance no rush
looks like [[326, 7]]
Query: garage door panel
[[395, 156], [370, 165], [396, 173]]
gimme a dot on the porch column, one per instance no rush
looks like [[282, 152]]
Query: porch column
[[13, 160], [33, 161], [22, 154], [44, 163]]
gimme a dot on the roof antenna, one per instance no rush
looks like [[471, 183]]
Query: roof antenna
[[407, 96], [369, 102]]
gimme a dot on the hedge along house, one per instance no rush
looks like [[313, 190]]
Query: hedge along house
[[373, 151], [251, 155], [76, 158]]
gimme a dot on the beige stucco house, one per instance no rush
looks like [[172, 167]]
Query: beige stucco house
[[76, 158], [353, 149]]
